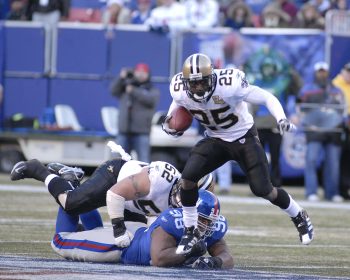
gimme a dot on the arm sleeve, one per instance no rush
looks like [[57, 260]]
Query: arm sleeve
[[259, 96], [117, 87]]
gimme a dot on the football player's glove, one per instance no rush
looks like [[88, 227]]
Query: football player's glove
[[168, 130], [285, 125], [122, 237], [207, 263], [198, 249], [124, 240]]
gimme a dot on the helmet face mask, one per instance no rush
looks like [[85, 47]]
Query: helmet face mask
[[198, 77], [206, 226], [199, 87], [208, 207], [174, 196]]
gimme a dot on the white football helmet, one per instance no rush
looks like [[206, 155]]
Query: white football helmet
[[198, 77]]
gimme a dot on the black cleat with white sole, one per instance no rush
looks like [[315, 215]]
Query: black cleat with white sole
[[190, 237], [303, 224]]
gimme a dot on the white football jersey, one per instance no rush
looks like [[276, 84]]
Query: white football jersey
[[226, 114], [162, 176]]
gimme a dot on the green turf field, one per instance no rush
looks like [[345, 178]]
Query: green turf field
[[261, 237]]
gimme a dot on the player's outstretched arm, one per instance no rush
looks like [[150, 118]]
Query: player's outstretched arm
[[132, 187], [222, 251], [163, 247], [258, 95]]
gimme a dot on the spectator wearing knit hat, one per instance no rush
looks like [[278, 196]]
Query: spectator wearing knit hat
[[138, 99]]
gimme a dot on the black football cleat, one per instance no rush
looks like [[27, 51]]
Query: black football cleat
[[303, 224], [29, 169], [72, 174], [190, 237]]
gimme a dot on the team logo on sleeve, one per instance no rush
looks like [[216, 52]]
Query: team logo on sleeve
[[244, 82], [110, 168], [241, 76], [164, 219], [218, 100]]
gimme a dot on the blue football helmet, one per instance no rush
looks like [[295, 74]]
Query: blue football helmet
[[208, 207]]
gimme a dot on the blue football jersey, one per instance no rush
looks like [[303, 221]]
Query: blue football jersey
[[171, 221]]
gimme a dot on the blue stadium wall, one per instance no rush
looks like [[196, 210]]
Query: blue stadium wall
[[83, 61]]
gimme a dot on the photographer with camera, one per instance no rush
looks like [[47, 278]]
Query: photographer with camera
[[138, 99]]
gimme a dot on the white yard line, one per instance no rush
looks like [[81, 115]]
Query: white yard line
[[25, 242], [28, 221], [23, 188], [297, 267]]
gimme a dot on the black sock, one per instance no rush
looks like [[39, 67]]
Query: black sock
[[282, 200], [37, 170], [58, 186], [189, 197]]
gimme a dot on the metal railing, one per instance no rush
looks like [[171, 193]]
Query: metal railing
[[316, 117], [338, 22]]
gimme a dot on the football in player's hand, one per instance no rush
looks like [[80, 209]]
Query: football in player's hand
[[181, 119]]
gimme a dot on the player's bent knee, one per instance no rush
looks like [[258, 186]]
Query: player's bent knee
[[272, 195], [62, 198], [58, 186], [73, 207], [262, 192]]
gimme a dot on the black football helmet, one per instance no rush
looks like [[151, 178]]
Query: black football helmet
[[198, 77]]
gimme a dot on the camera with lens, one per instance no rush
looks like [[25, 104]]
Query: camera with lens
[[129, 74], [130, 78]]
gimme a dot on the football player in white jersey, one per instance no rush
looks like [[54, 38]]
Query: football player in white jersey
[[152, 187], [218, 100]]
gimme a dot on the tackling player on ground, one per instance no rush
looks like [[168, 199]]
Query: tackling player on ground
[[218, 100], [125, 186], [155, 245]]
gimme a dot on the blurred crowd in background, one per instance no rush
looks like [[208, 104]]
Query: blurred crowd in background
[[165, 15], [266, 68]]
